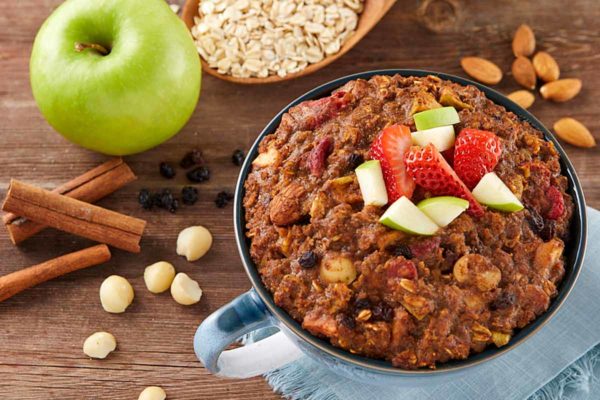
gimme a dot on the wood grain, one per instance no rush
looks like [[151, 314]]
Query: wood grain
[[42, 330]]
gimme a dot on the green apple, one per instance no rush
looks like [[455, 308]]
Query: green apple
[[115, 76], [441, 137], [436, 117], [403, 215], [372, 185], [443, 209], [492, 192]]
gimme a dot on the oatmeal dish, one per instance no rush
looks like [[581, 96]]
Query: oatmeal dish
[[409, 219]]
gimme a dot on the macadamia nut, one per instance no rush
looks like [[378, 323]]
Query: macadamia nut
[[159, 276], [194, 242], [185, 290], [153, 393], [99, 345], [116, 294]]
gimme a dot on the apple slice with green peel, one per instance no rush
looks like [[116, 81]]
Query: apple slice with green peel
[[436, 117], [441, 137], [372, 185], [492, 192], [403, 215], [443, 209]]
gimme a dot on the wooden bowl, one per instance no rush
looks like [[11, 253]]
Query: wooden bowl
[[373, 12]]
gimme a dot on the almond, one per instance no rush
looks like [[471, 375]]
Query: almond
[[546, 66], [524, 98], [524, 73], [574, 132], [524, 41], [561, 90], [481, 69]]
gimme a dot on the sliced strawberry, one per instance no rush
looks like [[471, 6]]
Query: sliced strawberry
[[389, 148], [430, 170], [449, 156], [475, 154]]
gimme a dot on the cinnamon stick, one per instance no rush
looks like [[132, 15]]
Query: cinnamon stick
[[74, 216], [18, 281], [90, 187]]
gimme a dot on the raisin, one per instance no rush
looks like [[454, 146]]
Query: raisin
[[535, 221], [354, 160], [145, 199], [199, 174], [173, 206], [192, 158], [504, 300], [361, 304], [189, 195], [308, 259], [223, 198], [402, 250], [165, 199], [383, 312], [166, 170], [347, 321], [549, 231], [238, 157]]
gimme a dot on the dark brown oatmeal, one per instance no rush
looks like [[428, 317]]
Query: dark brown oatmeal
[[427, 299]]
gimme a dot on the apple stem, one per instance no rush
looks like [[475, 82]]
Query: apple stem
[[79, 47]]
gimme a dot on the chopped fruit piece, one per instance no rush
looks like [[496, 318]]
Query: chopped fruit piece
[[449, 156], [441, 137], [336, 269], [372, 185], [444, 209], [424, 248], [432, 172], [436, 117], [557, 203], [492, 192], [401, 268], [475, 154], [389, 148], [311, 114], [318, 156], [403, 215]]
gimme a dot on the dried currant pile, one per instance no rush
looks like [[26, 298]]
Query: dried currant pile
[[196, 171]]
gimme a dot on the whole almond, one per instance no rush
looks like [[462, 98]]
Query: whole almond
[[524, 98], [524, 41], [546, 66], [523, 72], [481, 69], [561, 90], [574, 132]]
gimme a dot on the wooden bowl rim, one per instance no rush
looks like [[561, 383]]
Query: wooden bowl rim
[[190, 10]]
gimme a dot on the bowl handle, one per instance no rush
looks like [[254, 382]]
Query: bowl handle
[[245, 314]]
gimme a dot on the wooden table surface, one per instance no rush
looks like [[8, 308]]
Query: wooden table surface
[[42, 330]]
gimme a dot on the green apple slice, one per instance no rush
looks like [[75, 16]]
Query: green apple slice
[[441, 137], [443, 209], [436, 117], [492, 192], [372, 185], [403, 215]]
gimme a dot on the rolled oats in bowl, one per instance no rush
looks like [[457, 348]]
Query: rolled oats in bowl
[[259, 38]]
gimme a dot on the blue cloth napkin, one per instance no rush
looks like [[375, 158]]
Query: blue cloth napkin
[[560, 361]]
